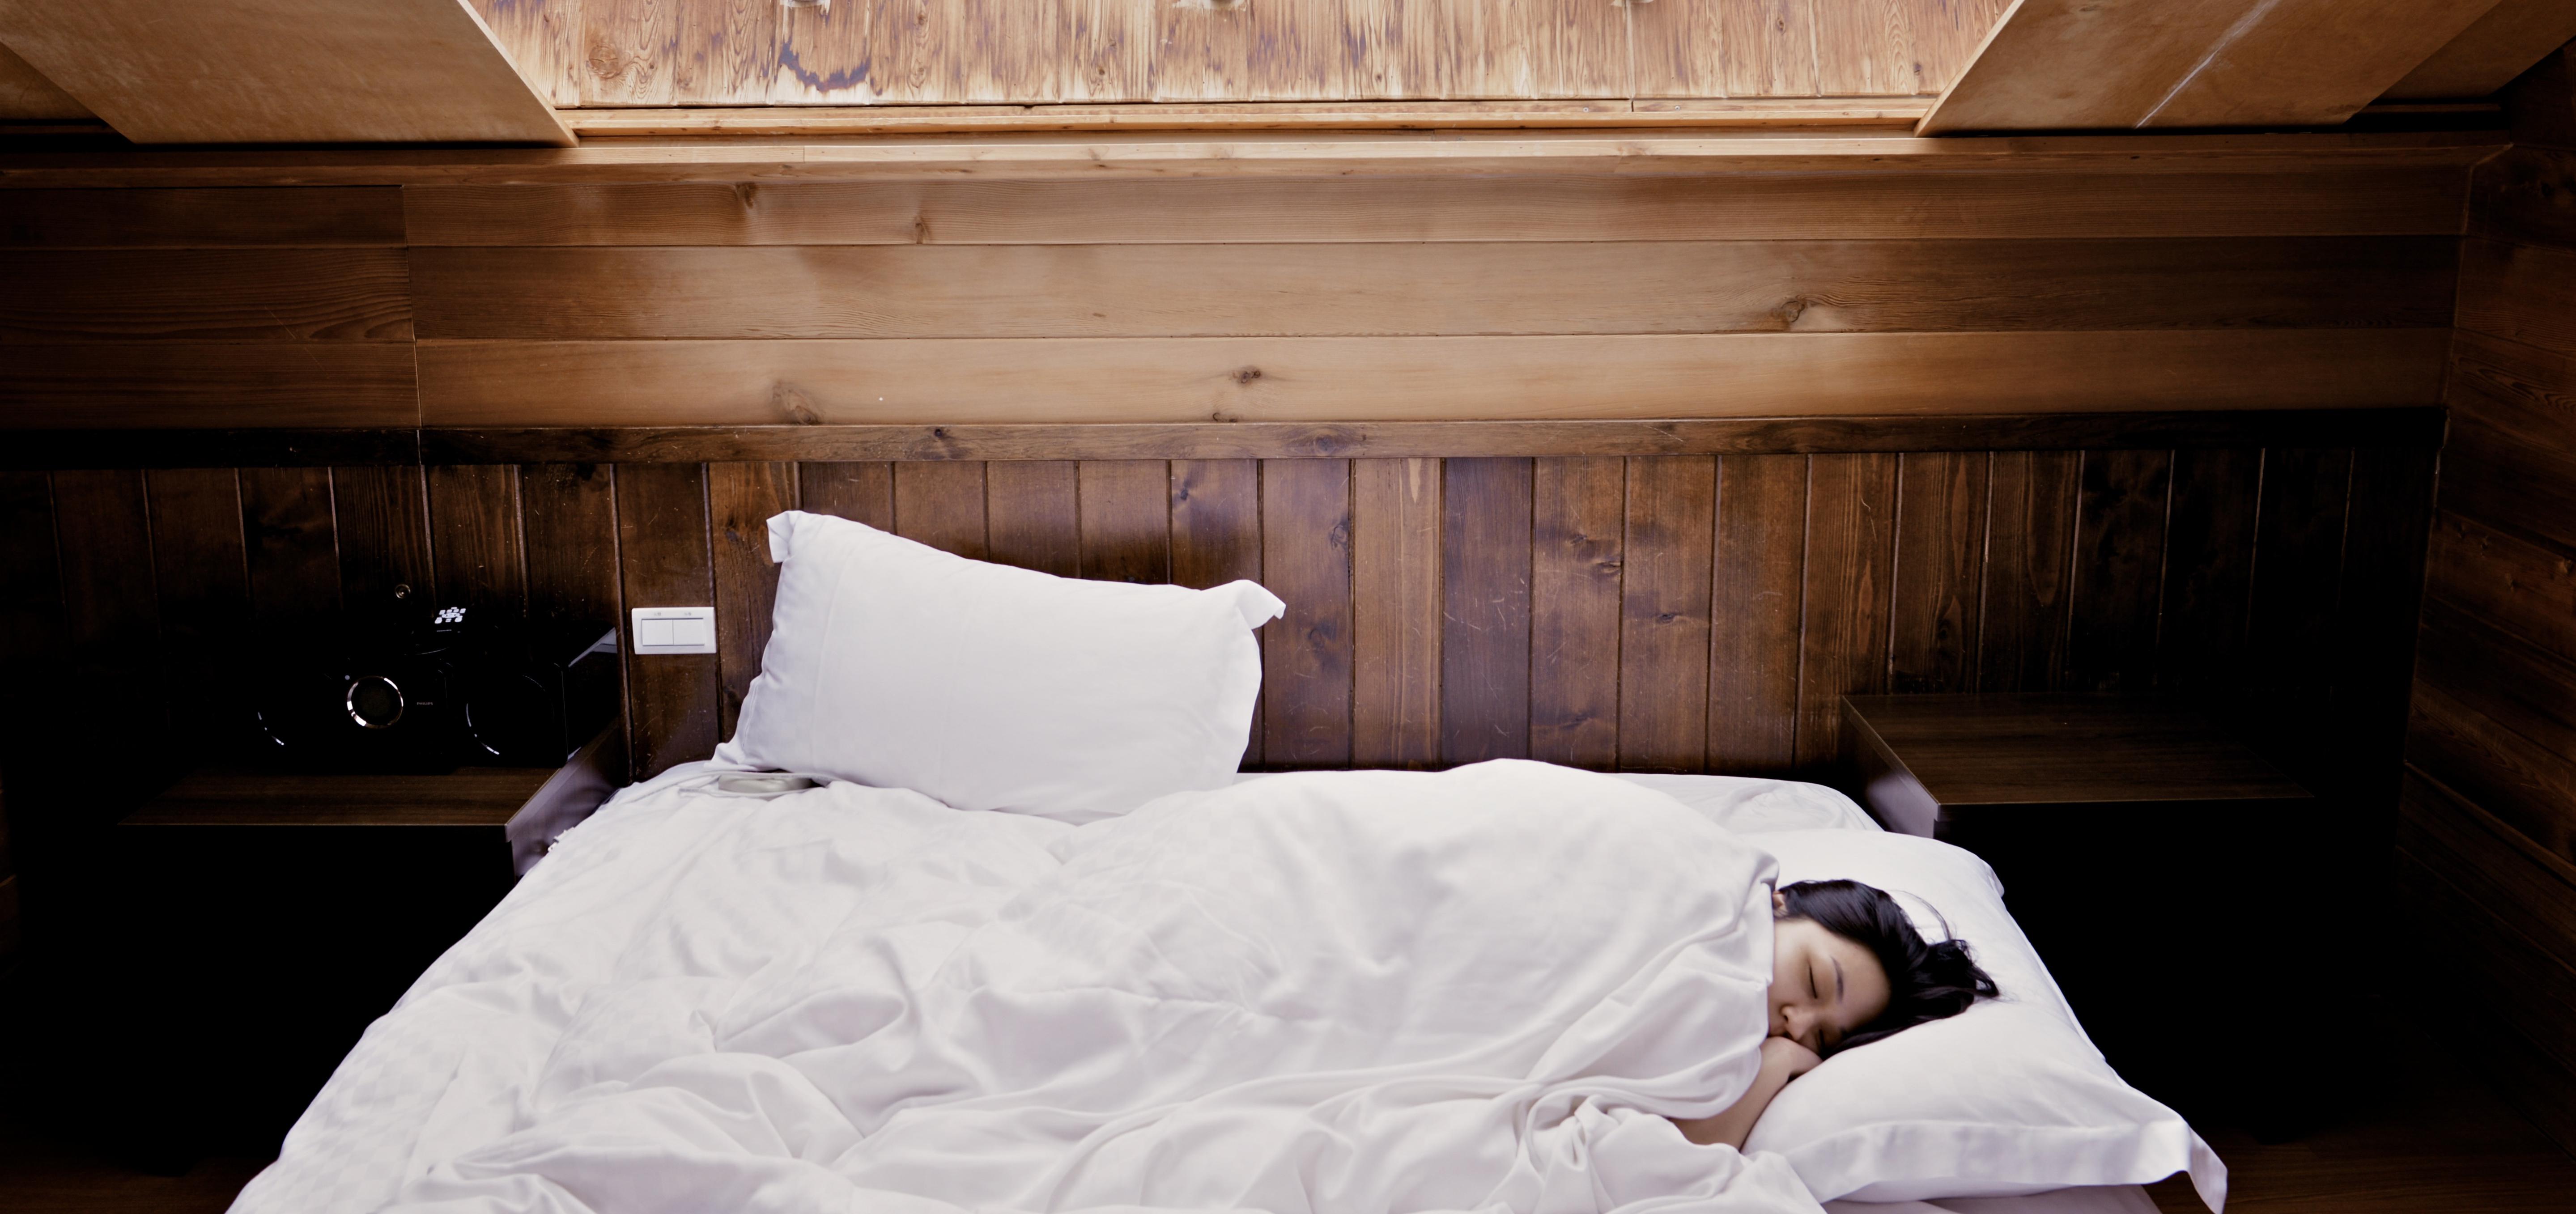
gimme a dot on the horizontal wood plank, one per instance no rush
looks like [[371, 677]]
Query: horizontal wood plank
[[810, 121], [1446, 289], [2418, 427], [2218, 202], [2522, 293], [968, 381], [190, 384], [195, 219], [1092, 156], [323, 294], [2522, 196]]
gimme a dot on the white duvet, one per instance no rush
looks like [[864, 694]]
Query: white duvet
[[1343, 992]]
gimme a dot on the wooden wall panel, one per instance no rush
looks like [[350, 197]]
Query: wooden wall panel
[[1940, 571], [1033, 515], [860, 492], [674, 701], [1395, 612], [1578, 559], [1485, 610], [292, 548], [1664, 617], [1851, 552], [2030, 541], [476, 558], [740, 500], [201, 584], [1216, 539], [1758, 610], [2487, 834], [1306, 560], [942, 505], [1126, 520], [2121, 508]]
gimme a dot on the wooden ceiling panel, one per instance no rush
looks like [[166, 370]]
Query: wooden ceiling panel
[[283, 71], [25, 94], [2487, 56], [2126, 64]]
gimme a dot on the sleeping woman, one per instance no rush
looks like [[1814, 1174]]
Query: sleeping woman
[[1847, 968]]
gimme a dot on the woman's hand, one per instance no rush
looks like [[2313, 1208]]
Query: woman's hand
[[1787, 1058]]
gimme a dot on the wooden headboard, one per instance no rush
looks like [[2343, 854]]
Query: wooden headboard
[[1678, 596]]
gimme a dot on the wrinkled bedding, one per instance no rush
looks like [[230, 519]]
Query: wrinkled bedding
[[1345, 992]]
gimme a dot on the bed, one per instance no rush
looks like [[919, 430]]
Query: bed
[[1033, 943], [473, 1044]]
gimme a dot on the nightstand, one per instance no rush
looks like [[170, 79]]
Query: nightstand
[[268, 918], [2191, 899]]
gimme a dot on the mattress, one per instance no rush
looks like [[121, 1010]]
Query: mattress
[[455, 1060]]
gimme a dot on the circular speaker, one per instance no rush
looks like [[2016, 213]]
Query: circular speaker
[[375, 702]]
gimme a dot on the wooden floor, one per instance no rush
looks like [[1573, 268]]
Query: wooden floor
[[2437, 1140]]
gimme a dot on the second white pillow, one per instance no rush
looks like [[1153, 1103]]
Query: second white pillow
[[893, 664]]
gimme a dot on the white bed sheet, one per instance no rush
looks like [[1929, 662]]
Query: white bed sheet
[[456, 1059]]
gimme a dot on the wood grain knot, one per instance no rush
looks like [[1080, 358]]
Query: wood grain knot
[[1247, 375]]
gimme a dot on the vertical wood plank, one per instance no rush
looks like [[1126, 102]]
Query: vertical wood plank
[[1216, 538], [203, 593], [1866, 48], [1578, 546], [1126, 520], [2209, 567], [627, 49], [568, 524], [543, 40], [859, 492], [672, 699], [1485, 610], [1940, 571], [31, 634], [740, 499], [1395, 612], [475, 552], [111, 623], [292, 548], [382, 517], [2030, 541], [2293, 649], [724, 52], [1030, 515], [1664, 613], [2388, 520], [1758, 606], [1305, 560], [1851, 551], [2119, 570], [942, 504]]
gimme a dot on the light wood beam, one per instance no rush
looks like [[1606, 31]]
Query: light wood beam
[[2487, 56], [2056, 65], [283, 71]]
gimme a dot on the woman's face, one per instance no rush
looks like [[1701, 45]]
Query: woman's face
[[1823, 987]]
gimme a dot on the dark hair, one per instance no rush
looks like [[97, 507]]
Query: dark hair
[[1925, 982]]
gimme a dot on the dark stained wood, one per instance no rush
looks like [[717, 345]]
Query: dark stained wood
[[1940, 571], [291, 546], [201, 219], [1445, 439], [2495, 717], [382, 517], [2298, 563], [2520, 197], [740, 500], [1306, 560], [327, 294], [2519, 292], [200, 576], [2527, 986], [31, 596], [1578, 524], [569, 523], [475, 549], [2119, 570], [1485, 532], [1216, 539], [2057, 749], [1757, 609], [2029, 569], [1664, 613], [210, 385], [942, 505], [2513, 580], [673, 700], [1851, 550], [468, 796], [111, 623], [859, 492], [1126, 520], [1395, 612], [1032, 518], [263, 448], [2208, 567], [2387, 516]]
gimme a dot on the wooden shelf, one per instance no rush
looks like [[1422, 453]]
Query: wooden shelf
[[468, 796]]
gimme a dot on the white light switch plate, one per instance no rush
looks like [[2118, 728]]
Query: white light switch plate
[[674, 630]]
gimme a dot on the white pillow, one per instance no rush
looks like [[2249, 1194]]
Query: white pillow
[[893, 664], [2005, 1098]]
